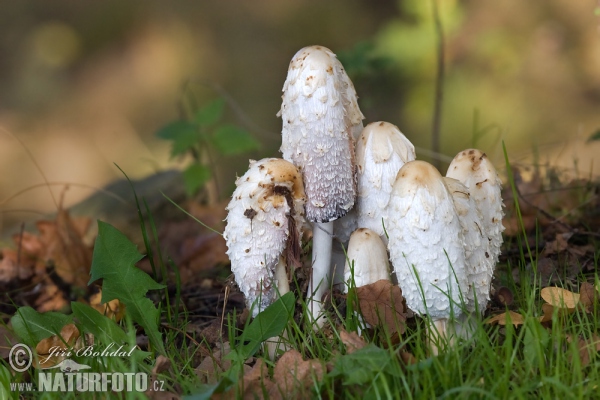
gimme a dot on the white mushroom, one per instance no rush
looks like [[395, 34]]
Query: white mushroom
[[367, 258], [381, 150], [426, 246], [320, 117], [264, 227], [473, 168], [479, 263]]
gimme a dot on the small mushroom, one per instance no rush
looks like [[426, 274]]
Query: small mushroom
[[320, 119], [426, 246], [367, 260], [381, 150], [264, 227], [473, 168]]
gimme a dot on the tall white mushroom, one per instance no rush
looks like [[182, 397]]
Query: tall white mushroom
[[264, 227], [473, 168], [479, 263], [381, 150], [426, 246], [320, 118]]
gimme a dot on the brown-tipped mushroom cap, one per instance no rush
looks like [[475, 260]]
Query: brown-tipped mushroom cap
[[381, 150], [264, 224], [473, 168], [426, 243], [320, 115]]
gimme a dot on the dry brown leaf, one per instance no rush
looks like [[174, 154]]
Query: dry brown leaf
[[408, 358], [588, 296], [559, 297], [51, 351], [294, 376], [586, 347], [14, 267], [113, 308], [381, 303], [501, 319], [352, 341], [64, 244], [558, 245]]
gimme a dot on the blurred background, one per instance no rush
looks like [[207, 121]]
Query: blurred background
[[85, 85]]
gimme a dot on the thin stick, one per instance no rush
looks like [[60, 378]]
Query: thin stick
[[439, 85]]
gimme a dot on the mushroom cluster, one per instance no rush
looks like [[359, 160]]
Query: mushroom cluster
[[440, 236]]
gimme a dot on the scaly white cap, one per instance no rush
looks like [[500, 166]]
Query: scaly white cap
[[426, 243], [381, 150], [479, 266], [264, 223], [320, 117], [473, 168]]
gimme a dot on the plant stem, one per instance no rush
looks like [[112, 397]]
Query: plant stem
[[439, 85]]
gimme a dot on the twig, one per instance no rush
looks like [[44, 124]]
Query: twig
[[439, 85]]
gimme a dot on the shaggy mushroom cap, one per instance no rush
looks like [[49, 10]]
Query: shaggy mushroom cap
[[320, 117], [426, 242], [479, 263], [381, 150], [367, 258], [473, 168], [264, 223]]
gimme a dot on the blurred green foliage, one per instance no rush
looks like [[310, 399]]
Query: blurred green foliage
[[202, 136]]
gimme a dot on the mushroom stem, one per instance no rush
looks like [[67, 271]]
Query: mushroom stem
[[283, 285], [272, 345], [437, 335], [321, 257]]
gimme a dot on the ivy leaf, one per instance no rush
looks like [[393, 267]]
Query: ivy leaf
[[183, 134], [103, 328], [194, 177], [210, 113], [230, 140], [595, 136], [33, 327], [113, 261]]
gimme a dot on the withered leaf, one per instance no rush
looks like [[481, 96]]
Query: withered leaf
[[352, 341], [381, 303], [294, 377], [505, 318], [559, 297], [588, 296], [51, 350]]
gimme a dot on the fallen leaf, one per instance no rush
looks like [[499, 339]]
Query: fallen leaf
[[588, 296], [352, 341], [294, 377], [54, 349], [505, 318], [381, 303], [12, 267], [558, 245], [113, 308], [559, 297]]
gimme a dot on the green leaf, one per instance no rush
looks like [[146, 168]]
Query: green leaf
[[267, 324], [361, 366], [113, 260], [231, 140], [194, 177], [103, 328], [210, 113], [595, 136], [32, 326], [5, 381], [183, 134]]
